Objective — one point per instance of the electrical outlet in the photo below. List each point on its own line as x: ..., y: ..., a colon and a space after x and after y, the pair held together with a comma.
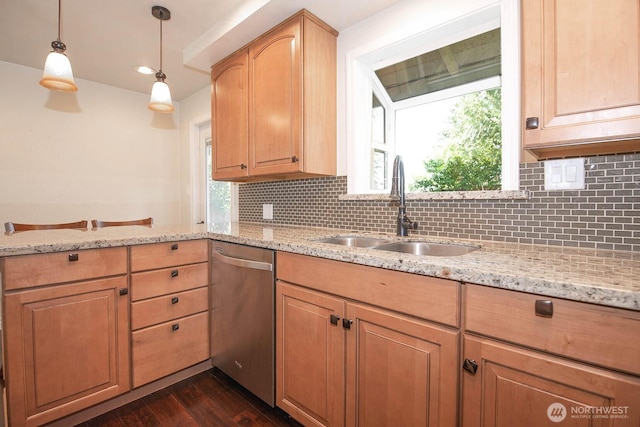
x: 267, y: 211
x: 564, y: 174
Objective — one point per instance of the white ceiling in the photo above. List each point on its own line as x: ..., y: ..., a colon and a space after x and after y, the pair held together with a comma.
x: 106, y: 39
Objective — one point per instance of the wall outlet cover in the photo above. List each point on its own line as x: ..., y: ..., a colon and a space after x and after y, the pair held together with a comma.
x: 564, y: 174
x: 267, y: 211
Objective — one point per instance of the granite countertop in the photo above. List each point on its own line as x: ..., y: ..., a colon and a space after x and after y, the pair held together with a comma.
x: 596, y: 276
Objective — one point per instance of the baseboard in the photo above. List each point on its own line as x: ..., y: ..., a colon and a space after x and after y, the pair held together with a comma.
x: 135, y: 394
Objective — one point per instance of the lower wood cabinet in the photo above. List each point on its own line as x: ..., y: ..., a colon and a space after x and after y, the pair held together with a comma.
x: 339, y: 362
x: 168, y: 347
x: 534, y: 360
x: 514, y: 386
x: 169, y: 308
x: 67, y: 348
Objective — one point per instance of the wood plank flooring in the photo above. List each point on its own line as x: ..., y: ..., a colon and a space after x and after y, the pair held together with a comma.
x: 207, y: 399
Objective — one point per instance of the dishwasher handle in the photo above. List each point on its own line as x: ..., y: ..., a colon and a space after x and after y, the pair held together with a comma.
x: 241, y: 262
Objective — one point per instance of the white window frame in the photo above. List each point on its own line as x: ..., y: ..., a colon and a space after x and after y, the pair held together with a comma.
x: 427, y: 27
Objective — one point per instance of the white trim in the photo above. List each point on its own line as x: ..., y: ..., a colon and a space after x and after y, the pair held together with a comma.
x: 510, y: 33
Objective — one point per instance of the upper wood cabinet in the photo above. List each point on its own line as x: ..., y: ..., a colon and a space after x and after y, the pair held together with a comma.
x: 580, y: 77
x: 274, y: 105
x: 229, y: 109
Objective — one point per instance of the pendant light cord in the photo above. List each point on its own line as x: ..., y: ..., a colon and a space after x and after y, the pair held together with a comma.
x: 59, y: 17
x: 161, y: 19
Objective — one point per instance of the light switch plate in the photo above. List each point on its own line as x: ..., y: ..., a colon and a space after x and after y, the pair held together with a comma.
x: 267, y: 211
x: 564, y: 174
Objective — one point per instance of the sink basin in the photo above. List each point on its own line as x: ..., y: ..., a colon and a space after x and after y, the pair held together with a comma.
x: 425, y: 248
x: 358, y: 242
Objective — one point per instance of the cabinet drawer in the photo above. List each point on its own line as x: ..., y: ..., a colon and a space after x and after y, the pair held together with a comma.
x: 43, y: 269
x: 168, y: 280
x: 168, y: 307
x: 601, y: 335
x: 421, y: 296
x: 166, y: 348
x: 159, y: 255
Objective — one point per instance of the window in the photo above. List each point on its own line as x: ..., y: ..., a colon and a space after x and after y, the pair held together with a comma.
x: 213, y: 201
x: 218, y: 193
x: 379, y: 148
x: 416, y: 77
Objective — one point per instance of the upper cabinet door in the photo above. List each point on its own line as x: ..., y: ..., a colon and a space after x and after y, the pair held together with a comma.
x: 229, y: 111
x: 275, y: 105
x: 581, y: 76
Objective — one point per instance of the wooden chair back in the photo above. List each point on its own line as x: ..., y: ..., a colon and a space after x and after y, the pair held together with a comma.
x: 12, y: 227
x: 100, y: 224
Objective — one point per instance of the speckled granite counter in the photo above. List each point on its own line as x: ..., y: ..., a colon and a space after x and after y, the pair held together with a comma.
x: 601, y: 277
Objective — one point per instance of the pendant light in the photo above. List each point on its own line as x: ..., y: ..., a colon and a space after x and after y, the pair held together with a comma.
x: 160, y: 95
x: 57, y: 68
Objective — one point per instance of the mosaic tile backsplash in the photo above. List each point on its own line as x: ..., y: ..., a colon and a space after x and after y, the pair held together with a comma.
x: 605, y: 215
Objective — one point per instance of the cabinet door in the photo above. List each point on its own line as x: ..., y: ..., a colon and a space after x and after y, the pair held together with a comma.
x: 513, y: 386
x: 229, y: 111
x: 275, y: 128
x: 581, y: 79
x: 67, y: 348
x: 309, y: 355
x: 400, y: 371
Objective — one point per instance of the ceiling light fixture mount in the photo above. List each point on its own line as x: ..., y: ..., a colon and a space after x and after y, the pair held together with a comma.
x: 57, y: 73
x: 160, y: 95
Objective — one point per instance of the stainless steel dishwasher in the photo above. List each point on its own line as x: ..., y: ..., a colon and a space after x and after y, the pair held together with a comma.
x: 243, y: 316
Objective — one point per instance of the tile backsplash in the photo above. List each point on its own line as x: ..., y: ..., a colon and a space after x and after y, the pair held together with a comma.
x: 605, y: 215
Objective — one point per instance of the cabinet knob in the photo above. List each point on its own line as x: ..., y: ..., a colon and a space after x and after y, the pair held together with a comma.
x: 174, y: 273
x: 175, y: 327
x: 243, y: 166
x: 174, y: 247
x: 470, y: 366
x: 334, y: 319
x: 123, y: 291
x: 346, y: 323
x: 544, y: 308
x: 532, y: 123
x: 73, y: 257
x: 175, y: 300
x: 294, y: 159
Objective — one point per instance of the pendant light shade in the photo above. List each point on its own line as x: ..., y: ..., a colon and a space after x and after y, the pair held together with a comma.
x: 160, y: 94
x: 57, y: 73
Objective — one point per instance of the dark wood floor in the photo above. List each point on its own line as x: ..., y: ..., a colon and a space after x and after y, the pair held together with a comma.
x: 207, y: 399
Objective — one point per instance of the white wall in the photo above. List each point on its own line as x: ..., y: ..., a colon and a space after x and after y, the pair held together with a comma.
x: 98, y: 153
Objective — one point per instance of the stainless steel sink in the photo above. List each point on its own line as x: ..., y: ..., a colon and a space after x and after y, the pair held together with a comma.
x: 356, y: 241
x: 425, y: 248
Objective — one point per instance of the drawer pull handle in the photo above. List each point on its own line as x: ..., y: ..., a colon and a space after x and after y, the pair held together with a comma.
x: 123, y: 291
x: 470, y: 366
x: 174, y: 273
x: 73, y: 257
x: 174, y: 247
x: 334, y: 319
x: 544, y: 308
x: 175, y: 300
x: 175, y: 327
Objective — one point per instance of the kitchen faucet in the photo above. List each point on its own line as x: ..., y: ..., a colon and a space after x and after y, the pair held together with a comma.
x: 397, y: 195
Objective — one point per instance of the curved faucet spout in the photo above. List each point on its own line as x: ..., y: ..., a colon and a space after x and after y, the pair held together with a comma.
x: 397, y: 194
